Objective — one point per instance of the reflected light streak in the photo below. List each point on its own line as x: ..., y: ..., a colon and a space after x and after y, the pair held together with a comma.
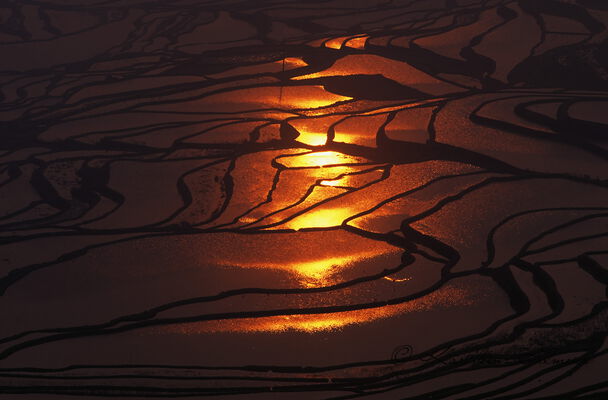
x: 320, y: 270
x: 307, y: 97
x: 388, y: 278
x: 344, y: 181
x: 315, y: 272
x: 317, y: 159
x: 318, y: 273
x: 311, y: 323
x: 318, y: 103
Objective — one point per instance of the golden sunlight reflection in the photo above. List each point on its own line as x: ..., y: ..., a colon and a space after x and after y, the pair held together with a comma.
x: 317, y: 103
x: 325, y: 218
x: 388, y: 278
x: 357, y: 43
x: 335, y: 43
x: 292, y: 62
x: 317, y: 159
x: 320, y: 270
x: 311, y: 323
x: 312, y: 138
x: 397, y: 71
x: 307, y: 97
x: 311, y: 272
x: 343, y: 181
x: 352, y: 42
x: 318, y: 273
x: 319, y: 125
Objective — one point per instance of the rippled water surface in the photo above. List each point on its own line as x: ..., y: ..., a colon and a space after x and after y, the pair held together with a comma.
x: 314, y: 199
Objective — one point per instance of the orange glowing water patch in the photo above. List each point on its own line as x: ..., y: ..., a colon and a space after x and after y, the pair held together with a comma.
x: 311, y: 217
x: 312, y: 138
x: 292, y: 62
x: 313, y: 131
x: 258, y: 100
x: 306, y: 97
x: 359, y: 130
x: 354, y: 180
x: 343, y: 181
x: 311, y: 323
x: 397, y: 71
x: 318, y: 159
x: 336, y: 43
x: 357, y: 43
x: 315, y: 272
x: 324, y: 218
x: 312, y: 103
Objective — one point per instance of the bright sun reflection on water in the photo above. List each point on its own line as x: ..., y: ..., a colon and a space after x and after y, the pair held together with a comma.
x: 316, y: 159
x: 309, y: 104
x: 335, y: 43
x: 320, y: 270
x: 307, y: 97
x: 311, y: 323
x: 312, y: 138
x: 315, y: 272
x: 357, y: 43
x: 324, y: 218
x: 344, y: 181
